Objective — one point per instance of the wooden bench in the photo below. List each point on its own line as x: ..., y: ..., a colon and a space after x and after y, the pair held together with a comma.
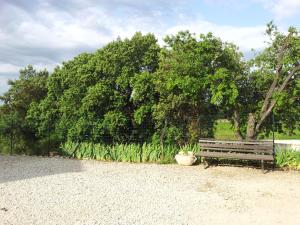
x: 246, y: 150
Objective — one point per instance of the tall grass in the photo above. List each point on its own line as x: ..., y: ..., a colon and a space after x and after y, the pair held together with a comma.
x: 146, y: 152
x: 288, y: 159
x: 153, y: 153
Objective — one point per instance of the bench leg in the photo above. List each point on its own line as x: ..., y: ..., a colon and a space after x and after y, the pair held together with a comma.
x: 206, y: 164
x: 262, y: 165
x: 218, y: 161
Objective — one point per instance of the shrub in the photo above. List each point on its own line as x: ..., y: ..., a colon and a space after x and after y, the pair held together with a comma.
x: 287, y: 159
x: 152, y: 153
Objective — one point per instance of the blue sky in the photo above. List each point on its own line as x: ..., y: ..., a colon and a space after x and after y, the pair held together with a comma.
x: 46, y: 32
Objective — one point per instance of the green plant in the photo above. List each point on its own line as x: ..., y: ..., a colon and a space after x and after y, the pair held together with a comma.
x: 137, y: 153
x: 288, y: 159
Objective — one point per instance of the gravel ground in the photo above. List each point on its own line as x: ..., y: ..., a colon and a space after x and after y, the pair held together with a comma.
x: 35, y: 190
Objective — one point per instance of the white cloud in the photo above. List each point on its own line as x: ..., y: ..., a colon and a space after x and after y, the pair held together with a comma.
x: 8, y: 68
x: 51, y: 29
x: 45, y: 33
x: 282, y: 8
x: 232, y: 3
x: 4, y: 79
x: 286, y: 8
x: 279, y: 8
x: 3, y: 86
x: 246, y: 38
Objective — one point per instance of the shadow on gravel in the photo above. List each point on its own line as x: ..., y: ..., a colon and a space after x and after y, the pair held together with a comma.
x: 268, y: 166
x: 13, y: 168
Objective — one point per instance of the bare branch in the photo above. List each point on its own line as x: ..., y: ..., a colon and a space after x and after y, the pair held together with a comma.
x: 277, y: 75
x: 237, y: 124
x: 287, y: 79
x: 274, y: 101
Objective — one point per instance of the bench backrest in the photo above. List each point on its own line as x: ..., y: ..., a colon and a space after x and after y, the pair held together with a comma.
x: 257, y: 147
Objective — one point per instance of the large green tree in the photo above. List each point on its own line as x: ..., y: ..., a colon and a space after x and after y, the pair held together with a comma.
x: 30, y: 88
x: 192, y: 81
x: 93, y: 96
x: 277, y: 69
x: 267, y: 83
x: 132, y: 90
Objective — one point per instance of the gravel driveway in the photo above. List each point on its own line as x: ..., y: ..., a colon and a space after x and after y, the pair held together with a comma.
x: 35, y: 190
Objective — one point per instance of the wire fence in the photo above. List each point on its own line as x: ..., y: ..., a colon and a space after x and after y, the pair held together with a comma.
x: 14, y: 138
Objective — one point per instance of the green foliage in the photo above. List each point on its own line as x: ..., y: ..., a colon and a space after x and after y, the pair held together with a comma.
x: 100, y: 94
x: 249, y: 91
x: 194, y: 76
x: 28, y: 90
x: 288, y: 159
x: 146, y: 153
x: 131, y: 92
x: 275, y: 81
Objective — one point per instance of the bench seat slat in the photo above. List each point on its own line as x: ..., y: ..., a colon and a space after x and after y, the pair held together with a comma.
x: 235, y: 155
x: 237, y: 146
x: 238, y: 142
x: 212, y: 148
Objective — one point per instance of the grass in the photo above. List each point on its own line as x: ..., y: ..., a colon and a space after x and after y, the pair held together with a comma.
x: 279, y: 136
x: 224, y: 131
x: 146, y: 153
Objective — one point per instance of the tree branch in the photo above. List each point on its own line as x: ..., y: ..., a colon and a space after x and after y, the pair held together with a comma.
x: 237, y: 124
x: 287, y: 79
x: 277, y: 75
x: 274, y: 101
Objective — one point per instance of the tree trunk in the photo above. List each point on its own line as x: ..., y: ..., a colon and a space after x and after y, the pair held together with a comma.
x: 162, y: 134
x: 251, y: 132
x: 237, y: 125
x: 194, y: 131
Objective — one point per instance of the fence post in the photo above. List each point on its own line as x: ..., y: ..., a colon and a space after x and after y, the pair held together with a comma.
x: 141, y: 154
x: 93, y: 137
x: 48, y: 140
x: 11, y: 134
x: 273, y: 135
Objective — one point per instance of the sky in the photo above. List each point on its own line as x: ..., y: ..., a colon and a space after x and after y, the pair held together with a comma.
x: 45, y: 33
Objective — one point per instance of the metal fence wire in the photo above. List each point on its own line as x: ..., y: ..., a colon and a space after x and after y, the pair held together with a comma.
x: 15, y: 139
